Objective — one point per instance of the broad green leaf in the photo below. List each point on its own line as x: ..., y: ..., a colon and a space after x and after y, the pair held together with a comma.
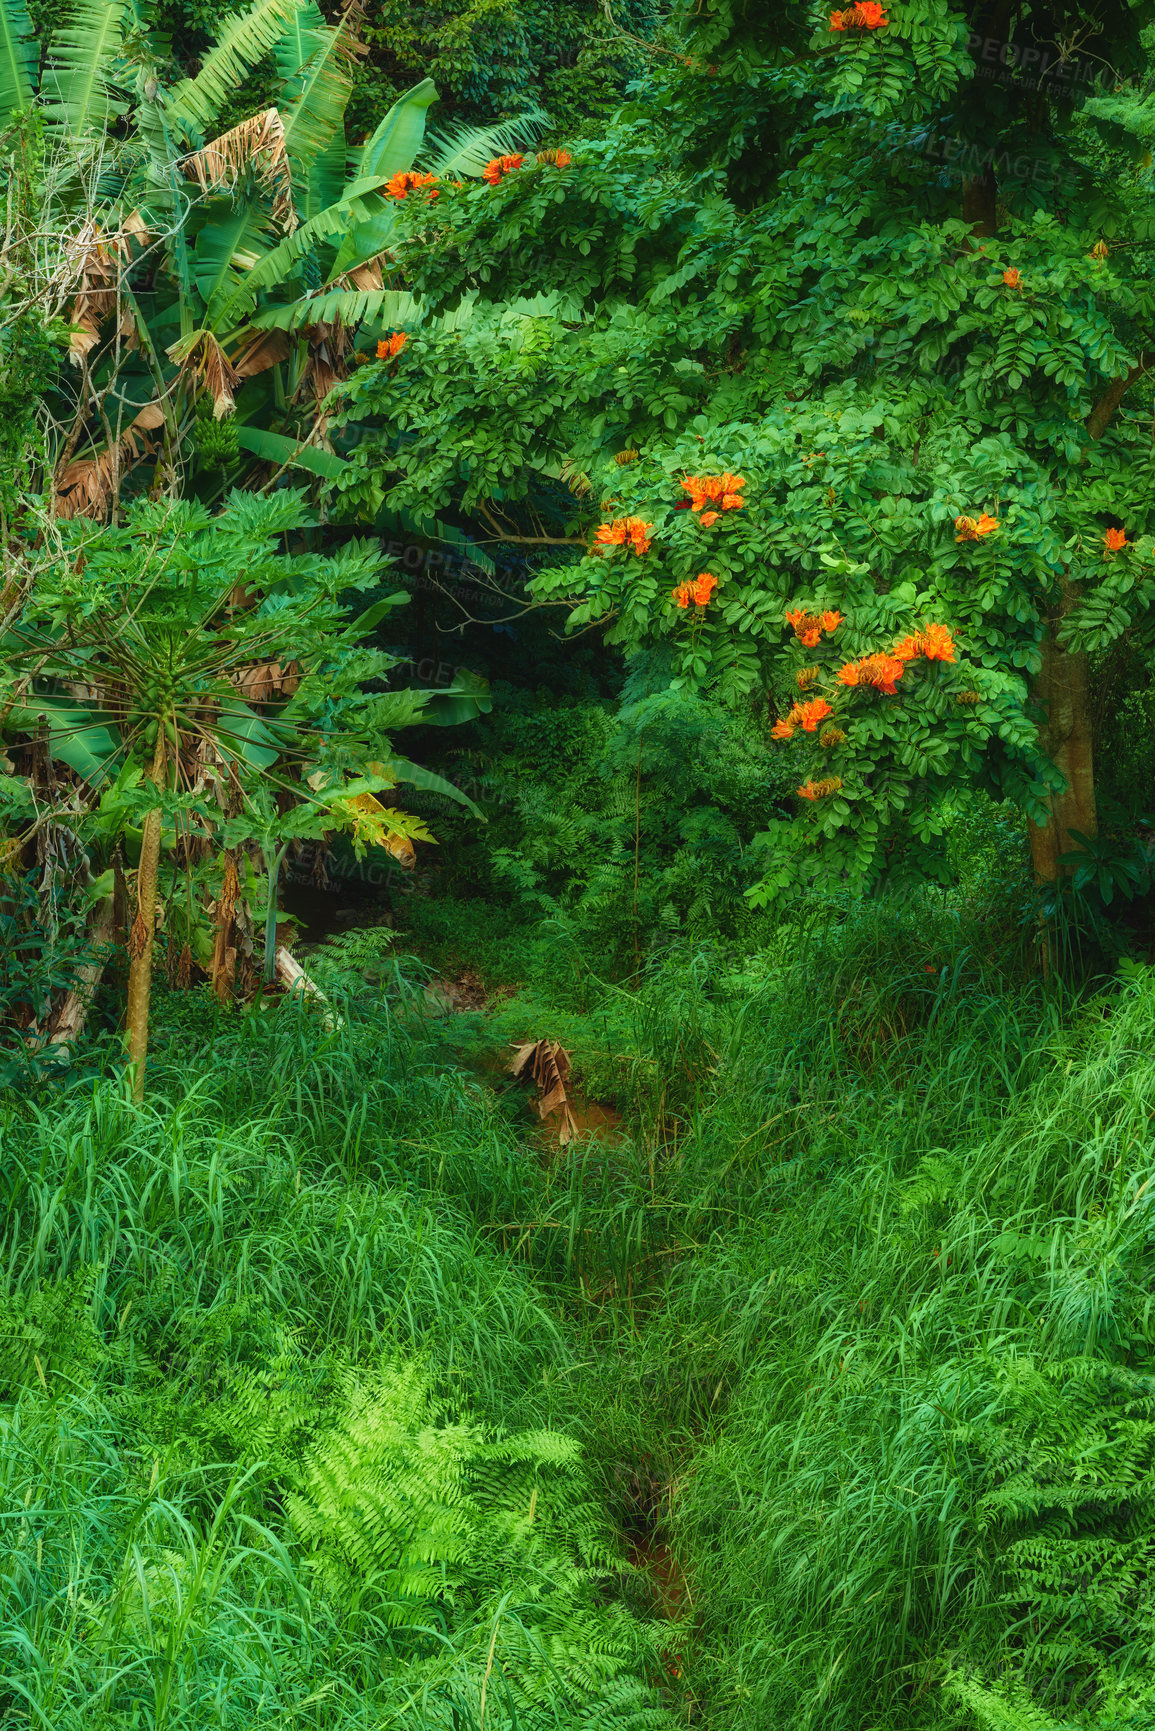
x: 394, y: 145
x: 380, y: 609
x: 77, y: 84
x: 391, y: 150
x: 19, y: 58
x: 242, y: 40
x: 434, y: 529
x: 425, y: 778
x: 351, y: 306
x: 361, y: 199
x: 276, y: 448
x: 240, y: 729
x: 313, y: 63
x: 85, y: 740
x: 230, y: 230
x: 464, y: 700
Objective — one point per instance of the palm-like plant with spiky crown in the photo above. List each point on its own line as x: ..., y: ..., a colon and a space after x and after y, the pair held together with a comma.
x: 198, y: 680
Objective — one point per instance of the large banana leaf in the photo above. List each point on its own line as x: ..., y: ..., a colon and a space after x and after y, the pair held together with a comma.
x: 19, y: 58
x: 326, y: 177
x: 242, y: 40
x: 433, y: 529
x: 392, y: 148
x: 425, y: 778
x: 87, y: 740
x: 276, y: 448
x: 241, y: 732
x: 77, y: 85
x: 352, y: 306
x: 313, y: 64
x: 297, y: 44
x: 394, y: 144
x: 467, y: 698
x: 230, y: 229
x: 361, y: 198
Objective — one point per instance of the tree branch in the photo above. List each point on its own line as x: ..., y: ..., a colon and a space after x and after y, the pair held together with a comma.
x: 1103, y: 413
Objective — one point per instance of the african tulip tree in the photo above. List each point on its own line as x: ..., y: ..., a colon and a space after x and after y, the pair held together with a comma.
x: 898, y: 308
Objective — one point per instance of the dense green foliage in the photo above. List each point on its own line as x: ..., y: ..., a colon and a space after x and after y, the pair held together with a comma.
x: 761, y: 398
x: 857, y: 1313
x: 908, y: 368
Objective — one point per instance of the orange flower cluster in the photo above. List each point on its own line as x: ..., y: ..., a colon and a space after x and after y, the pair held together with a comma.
x: 884, y: 670
x: 496, y: 169
x: 936, y: 643
x: 1114, y: 541
x: 724, y: 491
x: 406, y: 182
x: 698, y: 591
x: 1012, y: 278
x: 623, y: 532
x: 808, y: 627
x: 867, y: 15
x: 803, y: 715
x: 974, y: 528
x: 390, y: 346
x: 559, y: 158
x: 820, y: 789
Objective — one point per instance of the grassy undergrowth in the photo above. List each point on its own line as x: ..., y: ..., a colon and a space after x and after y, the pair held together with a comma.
x: 324, y: 1388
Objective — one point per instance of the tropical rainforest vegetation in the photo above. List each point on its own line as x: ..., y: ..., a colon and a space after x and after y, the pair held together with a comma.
x: 577, y: 759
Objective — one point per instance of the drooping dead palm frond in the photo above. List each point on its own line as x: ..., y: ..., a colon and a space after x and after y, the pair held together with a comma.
x: 548, y: 1064
x: 330, y: 346
x: 87, y: 486
x: 266, y: 681
x: 265, y: 350
x: 94, y: 261
x: 365, y: 276
x: 202, y: 356
x: 256, y: 146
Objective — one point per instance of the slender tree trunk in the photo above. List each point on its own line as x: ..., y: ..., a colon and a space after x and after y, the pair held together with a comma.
x: 68, y: 1023
x: 980, y: 195
x: 224, y: 948
x: 1061, y: 688
x: 144, y: 931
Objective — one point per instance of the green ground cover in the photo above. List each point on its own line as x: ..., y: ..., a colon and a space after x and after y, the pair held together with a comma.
x: 333, y: 1394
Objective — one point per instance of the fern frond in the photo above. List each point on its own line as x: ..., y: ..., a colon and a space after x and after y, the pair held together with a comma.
x: 467, y: 149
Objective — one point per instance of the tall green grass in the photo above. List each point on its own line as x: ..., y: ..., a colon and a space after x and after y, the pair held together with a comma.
x: 854, y: 1309
x: 198, y: 1300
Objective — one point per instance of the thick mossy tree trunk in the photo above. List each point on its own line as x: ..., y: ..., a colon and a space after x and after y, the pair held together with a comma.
x: 1066, y: 736
x: 140, y: 943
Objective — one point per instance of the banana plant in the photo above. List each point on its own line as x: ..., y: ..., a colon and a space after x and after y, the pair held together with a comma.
x: 189, y: 699
x: 236, y: 266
